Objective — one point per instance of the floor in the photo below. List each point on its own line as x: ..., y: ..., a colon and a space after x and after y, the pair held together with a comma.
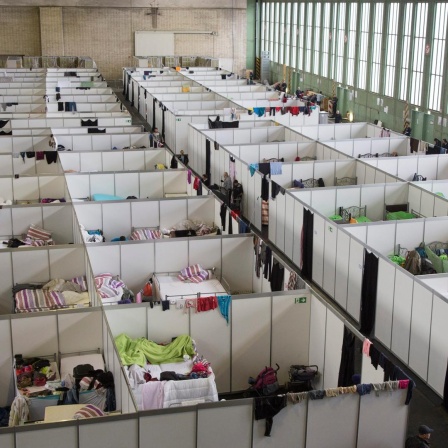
x: 425, y: 407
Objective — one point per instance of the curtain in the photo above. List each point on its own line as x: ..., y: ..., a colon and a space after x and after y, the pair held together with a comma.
x: 207, y: 160
x: 347, y: 366
x: 153, y: 113
x: 445, y: 391
x: 307, y: 243
x: 368, y: 293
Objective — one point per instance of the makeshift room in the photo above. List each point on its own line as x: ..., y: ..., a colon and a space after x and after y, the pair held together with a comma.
x: 45, y: 279
x: 116, y: 186
x: 151, y: 219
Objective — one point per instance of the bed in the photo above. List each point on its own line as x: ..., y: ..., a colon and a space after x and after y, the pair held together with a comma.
x: 351, y: 215
x: 56, y: 294
x: 35, y: 237
x: 182, y: 229
x: 43, y: 395
x: 168, y: 286
x: 91, y: 236
x: 396, y: 212
x: 112, y: 290
x: 182, y: 378
x: 307, y: 183
x: 344, y: 181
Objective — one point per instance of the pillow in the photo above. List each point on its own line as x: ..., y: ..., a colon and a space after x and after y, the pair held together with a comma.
x: 435, y: 260
x: 89, y: 411
x: 194, y: 274
x: 37, y: 233
x: 81, y: 281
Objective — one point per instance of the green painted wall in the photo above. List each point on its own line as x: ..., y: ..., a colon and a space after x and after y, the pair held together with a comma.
x: 251, y: 34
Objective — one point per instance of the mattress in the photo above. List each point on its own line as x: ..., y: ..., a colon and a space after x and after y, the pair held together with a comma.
x: 170, y: 285
x: 175, y: 393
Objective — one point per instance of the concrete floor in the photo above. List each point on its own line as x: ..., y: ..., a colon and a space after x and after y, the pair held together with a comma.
x: 425, y: 407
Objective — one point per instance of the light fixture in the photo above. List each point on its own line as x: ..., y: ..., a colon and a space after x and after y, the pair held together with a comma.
x: 350, y: 116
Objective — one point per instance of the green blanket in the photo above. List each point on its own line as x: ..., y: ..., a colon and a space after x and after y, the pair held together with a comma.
x: 395, y: 216
x: 139, y: 351
x: 363, y: 219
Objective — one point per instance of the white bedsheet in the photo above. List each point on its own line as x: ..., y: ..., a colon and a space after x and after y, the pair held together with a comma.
x: 176, y: 393
x: 170, y: 285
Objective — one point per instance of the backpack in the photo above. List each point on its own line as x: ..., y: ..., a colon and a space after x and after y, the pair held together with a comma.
x: 413, y: 262
x: 266, y: 381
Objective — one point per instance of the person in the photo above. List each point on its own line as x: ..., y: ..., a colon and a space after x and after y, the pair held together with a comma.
x: 157, y: 140
x: 335, y: 105
x: 445, y: 145
x: 338, y: 117
x: 183, y: 157
x: 319, y: 98
x: 407, y: 129
x: 227, y: 187
x: 299, y: 93
x: 237, y: 194
x: 421, y: 440
x: 53, y: 143
x: 283, y: 86
x: 205, y: 180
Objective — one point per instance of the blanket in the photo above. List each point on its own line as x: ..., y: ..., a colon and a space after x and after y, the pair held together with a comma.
x: 139, y: 351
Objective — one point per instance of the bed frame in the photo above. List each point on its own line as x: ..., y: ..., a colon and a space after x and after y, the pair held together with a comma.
x: 354, y: 211
x: 310, y: 183
x: 392, y: 208
x: 66, y: 307
x: 308, y: 158
x: 367, y: 156
x: 344, y: 181
x: 180, y: 296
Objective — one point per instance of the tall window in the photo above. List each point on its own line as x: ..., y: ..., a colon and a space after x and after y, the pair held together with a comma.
x: 376, y: 47
x: 351, y: 43
x: 288, y: 34
x: 264, y: 26
x: 418, y: 49
x: 334, y: 40
x: 281, y: 34
x: 405, y: 51
x: 325, y: 39
x: 340, y: 42
x: 437, y: 56
x: 294, y: 35
x: 309, y: 36
x: 274, y: 55
x: 301, y: 35
x: 391, y: 49
x: 363, y: 45
x: 271, y: 30
x: 317, y: 41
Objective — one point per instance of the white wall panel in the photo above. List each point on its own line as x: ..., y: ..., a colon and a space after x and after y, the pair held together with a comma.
x: 402, y: 315
x: 355, y: 266
x: 50, y: 438
x: 386, y: 411
x: 289, y: 429
x: 381, y: 238
x: 384, y: 302
x: 238, y: 418
x: 438, y: 354
x: 420, y: 330
x: 290, y: 332
x: 24, y: 331
x: 318, y: 249
x: 329, y: 273
x: 326, y: 418
x: 333, y: 346
x: 110, y: 433
x: 182, y: 429
x: 318, y: 324
x: 145, y: 214
x: 250, y: 343
x: 131, y: 321
x: 341, y: 272
x: 137, y: 264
